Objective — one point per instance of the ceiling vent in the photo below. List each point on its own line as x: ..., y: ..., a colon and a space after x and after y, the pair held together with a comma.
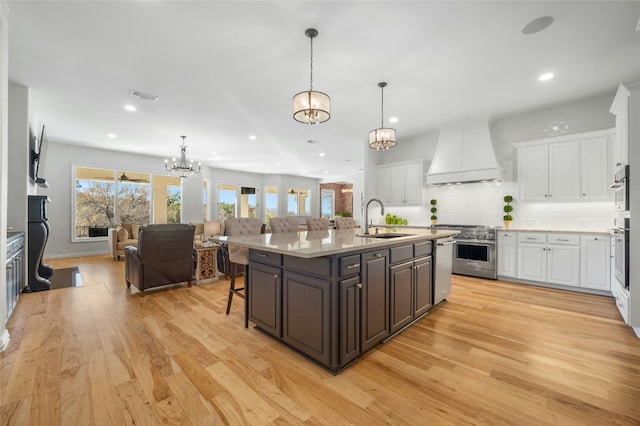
x: 144, y: 96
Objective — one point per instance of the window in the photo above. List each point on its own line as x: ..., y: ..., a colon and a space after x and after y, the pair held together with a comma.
x: 205, y: 201
x: 104, y: 198
x: 248, y: 202
x: 226, y: 202
x: 298, y: 201
x: 270, y: 203
x: 327, y: 203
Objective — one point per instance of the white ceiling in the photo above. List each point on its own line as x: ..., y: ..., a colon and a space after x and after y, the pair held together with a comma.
x: 225, y: 70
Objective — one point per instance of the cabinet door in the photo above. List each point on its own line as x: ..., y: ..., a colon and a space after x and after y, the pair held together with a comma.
x: 423, y: 294
x: 533, y: 173
x: 401, y: 291
x: 396, y: 185
x: 563, y: 265
x: 350, y: 290
x: 532, y: 262
x: 564, y: 171
x: 594, y: 160
x: 412, y: 183
x: 383, y: 190
x: 507, y: 254
x: 306, y: 325
x: 595, y: 261
x: 375, y: 298
x: 265, y: 300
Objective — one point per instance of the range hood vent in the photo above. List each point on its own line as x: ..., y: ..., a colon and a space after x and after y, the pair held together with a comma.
x: 464, y: 154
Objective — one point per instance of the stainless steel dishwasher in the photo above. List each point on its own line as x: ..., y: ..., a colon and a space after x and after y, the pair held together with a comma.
x: 442, y: 275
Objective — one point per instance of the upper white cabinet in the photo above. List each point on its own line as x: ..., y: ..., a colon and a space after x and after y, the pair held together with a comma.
x: 566, y: 168
x: 399, y: 184
x: 620, y: 108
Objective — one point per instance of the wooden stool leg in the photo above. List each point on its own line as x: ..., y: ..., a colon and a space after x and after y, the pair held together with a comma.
x: 232, y: 287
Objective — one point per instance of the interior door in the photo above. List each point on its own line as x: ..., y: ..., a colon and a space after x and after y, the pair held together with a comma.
x: 328, y: 203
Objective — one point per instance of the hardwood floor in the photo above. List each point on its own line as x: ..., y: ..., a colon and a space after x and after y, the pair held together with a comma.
x: 493, y: 353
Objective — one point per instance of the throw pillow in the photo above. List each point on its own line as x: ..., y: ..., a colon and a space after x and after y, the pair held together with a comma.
x: 135, y: 229
x: 123, y: 235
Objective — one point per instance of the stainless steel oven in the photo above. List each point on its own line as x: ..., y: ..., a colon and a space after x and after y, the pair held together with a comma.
x: 474, y: 251
x: 620, y: 236
x: 621, y: 187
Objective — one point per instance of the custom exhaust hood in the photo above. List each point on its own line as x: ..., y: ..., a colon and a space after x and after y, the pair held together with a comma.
x: 464, y: 154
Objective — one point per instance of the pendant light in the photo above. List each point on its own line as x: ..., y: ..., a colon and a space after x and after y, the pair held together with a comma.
x: 311, y: 107
x: 384, y: 137
x: 182, y: 168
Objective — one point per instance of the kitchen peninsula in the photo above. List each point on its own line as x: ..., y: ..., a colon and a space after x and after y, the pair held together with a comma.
x: 333, y: 295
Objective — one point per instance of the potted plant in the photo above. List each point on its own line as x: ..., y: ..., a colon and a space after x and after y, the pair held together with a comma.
x: 434, y: 209
x: 508, y: 208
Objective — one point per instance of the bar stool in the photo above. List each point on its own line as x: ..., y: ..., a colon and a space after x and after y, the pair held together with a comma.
x: 283, y: 224
x: 240, y: 256
x: 317, y: 224
x: 345, y: 223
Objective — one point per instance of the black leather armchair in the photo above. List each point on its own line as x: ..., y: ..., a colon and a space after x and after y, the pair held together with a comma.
x: 164, y: 256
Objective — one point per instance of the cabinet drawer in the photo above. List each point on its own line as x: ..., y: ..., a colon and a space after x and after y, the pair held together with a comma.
x: 532, y: 238
x: 265, y: 257
x: 422, y: 249
x: 400, y: 254
x: 320, y: 266
x: 349, y: 265
x: 566, y: 239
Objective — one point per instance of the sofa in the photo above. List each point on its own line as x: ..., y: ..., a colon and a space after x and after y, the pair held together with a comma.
x: 121, y: 236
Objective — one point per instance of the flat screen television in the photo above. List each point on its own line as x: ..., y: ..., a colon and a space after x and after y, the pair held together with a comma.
x: 39, y: 147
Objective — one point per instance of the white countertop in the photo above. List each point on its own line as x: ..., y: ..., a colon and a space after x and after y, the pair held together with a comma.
x: 310, y: 244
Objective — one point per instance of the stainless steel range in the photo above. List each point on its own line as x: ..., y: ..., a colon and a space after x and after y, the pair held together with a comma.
x: 474, y: 251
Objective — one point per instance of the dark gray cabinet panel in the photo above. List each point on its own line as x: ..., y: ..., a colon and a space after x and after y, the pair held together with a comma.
x: 350, y: 290
x: 375, y: 298
x: 423, y: 296
x: 265, y: 301
x: 401, y: 290
x: 306, y: 315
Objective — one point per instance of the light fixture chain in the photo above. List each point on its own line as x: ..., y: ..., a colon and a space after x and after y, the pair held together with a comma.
x: 382, y: 107
x: 311, y: 76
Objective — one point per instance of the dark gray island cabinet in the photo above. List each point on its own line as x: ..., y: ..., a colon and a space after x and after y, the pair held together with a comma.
x: 332, y: 309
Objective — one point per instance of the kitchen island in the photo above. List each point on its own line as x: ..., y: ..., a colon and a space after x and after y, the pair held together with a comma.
x: 333, y: 295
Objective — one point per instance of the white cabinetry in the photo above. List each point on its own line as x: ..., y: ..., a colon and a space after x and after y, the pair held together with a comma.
x: 507, y: 254
x: 595, y: 262
x: 620, y: 107
x: 553, y: 258
x: 399, y: 184
x: 566, y: 168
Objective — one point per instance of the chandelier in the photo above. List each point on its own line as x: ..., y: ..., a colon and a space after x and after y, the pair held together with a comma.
x: 382, y: 138
x: 182, y: 168
x: 311, y: 107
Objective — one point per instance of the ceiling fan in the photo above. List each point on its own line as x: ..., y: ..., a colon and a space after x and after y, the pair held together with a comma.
x: 125, y: 178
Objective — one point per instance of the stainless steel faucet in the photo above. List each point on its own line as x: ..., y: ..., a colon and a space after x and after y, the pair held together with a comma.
x: 366, y: 214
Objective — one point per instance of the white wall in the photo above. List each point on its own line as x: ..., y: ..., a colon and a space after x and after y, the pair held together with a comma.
x: 19, y: 152
x: 4, y: 150
x: 480, y: 203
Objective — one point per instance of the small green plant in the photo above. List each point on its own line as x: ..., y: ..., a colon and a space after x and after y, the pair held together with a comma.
x: 434, y: 209
x: 508, y: 208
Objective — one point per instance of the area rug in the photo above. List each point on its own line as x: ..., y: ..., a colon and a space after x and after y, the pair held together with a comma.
x: 66, y: 277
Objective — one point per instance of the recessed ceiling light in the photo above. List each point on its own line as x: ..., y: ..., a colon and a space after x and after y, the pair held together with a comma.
x: 321, y: 154
x: 111, y: 135
x: 129, y: 107
x: 277, y: 164
x: 326, y: 172
x: 212, y: 153
x: 537, y: 25
x: 546, y: 76
x: 393, y: 119
x: 253, y: 137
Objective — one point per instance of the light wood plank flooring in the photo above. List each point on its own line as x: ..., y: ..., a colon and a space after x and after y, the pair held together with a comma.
x: 494, y: 353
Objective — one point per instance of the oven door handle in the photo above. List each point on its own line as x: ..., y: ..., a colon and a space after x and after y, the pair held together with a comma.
x: 476, y: 242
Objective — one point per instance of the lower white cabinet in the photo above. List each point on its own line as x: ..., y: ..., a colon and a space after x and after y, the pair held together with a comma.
x: 507, y: 254
x: 552, y: 258
x: 595, y: 263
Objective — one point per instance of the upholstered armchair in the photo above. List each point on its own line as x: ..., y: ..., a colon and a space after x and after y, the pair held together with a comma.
x: 164, y: 256
x: 345, y: 223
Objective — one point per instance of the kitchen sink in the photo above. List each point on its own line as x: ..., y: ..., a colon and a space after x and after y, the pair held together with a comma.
x: 384, y: 236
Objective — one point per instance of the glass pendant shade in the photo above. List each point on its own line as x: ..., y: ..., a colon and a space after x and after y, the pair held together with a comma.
x: 382, y: 138
x: 311, y: 107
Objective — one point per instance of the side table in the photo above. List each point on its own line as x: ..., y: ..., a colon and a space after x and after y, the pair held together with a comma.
x: 207, y: 263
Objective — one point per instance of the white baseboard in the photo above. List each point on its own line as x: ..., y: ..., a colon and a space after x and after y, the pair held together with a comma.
x: 75, y: 254
x: 637, y: 331
x: 4, y: 340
